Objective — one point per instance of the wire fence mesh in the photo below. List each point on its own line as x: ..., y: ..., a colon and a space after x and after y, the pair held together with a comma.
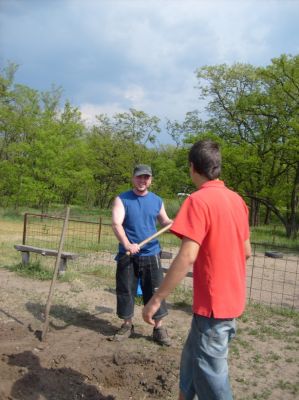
x: 272, y: 274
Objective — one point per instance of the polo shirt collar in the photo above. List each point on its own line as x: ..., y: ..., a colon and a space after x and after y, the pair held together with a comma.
x: 214, y: 183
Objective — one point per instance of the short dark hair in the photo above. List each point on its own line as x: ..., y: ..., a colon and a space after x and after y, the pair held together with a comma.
x: 206, y: 158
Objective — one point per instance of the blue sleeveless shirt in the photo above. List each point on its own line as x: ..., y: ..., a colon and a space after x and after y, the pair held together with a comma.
x: 141, y: 214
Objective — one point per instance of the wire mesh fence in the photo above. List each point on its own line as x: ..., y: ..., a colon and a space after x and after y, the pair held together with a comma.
x: 272, y: 274
x: 44, y: 231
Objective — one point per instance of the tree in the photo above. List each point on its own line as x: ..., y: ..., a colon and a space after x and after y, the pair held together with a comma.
x: 255, y: 110
x: 192, y: 125
x: 170, y: 171
x: 136, y: 126
x: 115, y: 146
x: 39, y: 162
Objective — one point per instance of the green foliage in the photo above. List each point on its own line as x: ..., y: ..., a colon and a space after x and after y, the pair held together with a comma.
x: 255, y: 112
x: 49, y: 156
x: 171, y: 175
x: 40, y: 159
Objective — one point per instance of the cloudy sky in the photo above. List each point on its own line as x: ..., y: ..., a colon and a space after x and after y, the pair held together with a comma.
x: 112, y: 55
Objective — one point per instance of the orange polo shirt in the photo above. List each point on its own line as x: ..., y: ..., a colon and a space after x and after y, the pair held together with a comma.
x: 217, y: 219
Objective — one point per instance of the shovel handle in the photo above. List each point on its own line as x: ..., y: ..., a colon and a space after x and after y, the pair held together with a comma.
x: 145, y: 241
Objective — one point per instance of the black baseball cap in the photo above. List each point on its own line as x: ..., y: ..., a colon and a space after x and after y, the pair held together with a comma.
x: 142, y: 169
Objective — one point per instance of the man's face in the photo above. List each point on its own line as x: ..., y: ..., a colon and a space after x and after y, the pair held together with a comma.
x: 142, y: 182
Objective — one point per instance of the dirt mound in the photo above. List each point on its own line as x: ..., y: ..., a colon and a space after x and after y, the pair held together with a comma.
x: 76, y: 364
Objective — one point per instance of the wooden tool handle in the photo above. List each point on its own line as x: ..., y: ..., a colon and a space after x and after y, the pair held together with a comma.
x: 145, y: 241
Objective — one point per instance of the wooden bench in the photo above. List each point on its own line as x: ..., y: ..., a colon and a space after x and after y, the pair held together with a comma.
x: 26, y: 250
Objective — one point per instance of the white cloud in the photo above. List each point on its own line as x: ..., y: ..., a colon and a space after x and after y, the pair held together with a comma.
x: 90, y: 111
x: 135, y: 94
x: 112, y: 55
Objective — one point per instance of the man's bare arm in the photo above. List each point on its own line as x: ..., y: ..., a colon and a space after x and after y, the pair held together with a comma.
x: 163, y: 217
x: 118, y: 216
x: 247, y: 249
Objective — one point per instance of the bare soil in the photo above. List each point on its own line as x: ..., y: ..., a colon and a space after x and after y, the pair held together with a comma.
x: 79, y: 361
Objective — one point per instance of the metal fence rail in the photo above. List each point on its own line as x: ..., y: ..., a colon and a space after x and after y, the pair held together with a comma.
x: 271, y: 281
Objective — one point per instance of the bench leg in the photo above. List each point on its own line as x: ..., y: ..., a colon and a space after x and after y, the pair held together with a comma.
x: 25, y: 257
x: 62, y: 266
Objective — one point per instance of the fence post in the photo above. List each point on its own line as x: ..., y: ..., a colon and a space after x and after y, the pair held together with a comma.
x: 273, y: 234
x: 100, y: 229
x: 25, y: 228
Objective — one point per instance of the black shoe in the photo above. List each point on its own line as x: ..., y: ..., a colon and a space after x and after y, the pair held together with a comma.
x: 125, y: 331
x: 161, y: 337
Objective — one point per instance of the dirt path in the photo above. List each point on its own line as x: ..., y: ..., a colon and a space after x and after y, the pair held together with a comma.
x: 78, y: 361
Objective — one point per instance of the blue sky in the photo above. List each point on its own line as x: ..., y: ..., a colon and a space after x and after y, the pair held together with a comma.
x: 112, y: 55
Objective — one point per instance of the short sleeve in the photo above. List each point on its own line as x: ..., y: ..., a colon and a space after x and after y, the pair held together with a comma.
x: 191, y: 220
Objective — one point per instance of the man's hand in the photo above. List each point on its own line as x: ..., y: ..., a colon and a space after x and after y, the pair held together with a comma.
x: 176, y: 272
x: 133, y: 248
x: 150, y: 309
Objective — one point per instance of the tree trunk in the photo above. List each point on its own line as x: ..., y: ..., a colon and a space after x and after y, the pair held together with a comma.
x: 292, y: 227
x: 254, y: 212
x: 292, y: 220
x: 267, y: 216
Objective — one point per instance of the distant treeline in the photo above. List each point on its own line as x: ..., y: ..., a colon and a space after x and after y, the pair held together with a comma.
x: 48, y: 154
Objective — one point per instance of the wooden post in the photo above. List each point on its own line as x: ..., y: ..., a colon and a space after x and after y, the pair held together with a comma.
x: 100, y: 229
x: 25, y: 228
x: 57, y: 264
x: 25, y: 257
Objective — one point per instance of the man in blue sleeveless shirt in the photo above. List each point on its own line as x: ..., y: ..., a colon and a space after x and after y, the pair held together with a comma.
x: 134, y: 217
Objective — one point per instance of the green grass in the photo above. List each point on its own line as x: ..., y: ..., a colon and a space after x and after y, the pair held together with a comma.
x: 101, y: 271
x: 260, y: 312
x: 9, y: 214
x: 33, y: 270
x: 273, y: 235
x: 181, y: 297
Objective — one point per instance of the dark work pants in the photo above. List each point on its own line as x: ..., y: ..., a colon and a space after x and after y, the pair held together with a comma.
x: 129, y: 270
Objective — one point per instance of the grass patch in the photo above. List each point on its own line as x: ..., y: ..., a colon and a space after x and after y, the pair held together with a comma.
x: 265, y: 394
x: 102, y: 271
x: 264, y: 322
x: 273, y: 235
x: 289, y: 386
x: 98, y: 276
x: 182, y: 297
x: 33, y: 270
x: 260, y: 312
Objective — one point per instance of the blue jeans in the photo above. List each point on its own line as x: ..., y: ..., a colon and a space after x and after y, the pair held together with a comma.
x: 128, y: 271
x: 204, y: 369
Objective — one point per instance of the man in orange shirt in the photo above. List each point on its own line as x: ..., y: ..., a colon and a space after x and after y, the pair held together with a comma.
x: 213, y: 226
